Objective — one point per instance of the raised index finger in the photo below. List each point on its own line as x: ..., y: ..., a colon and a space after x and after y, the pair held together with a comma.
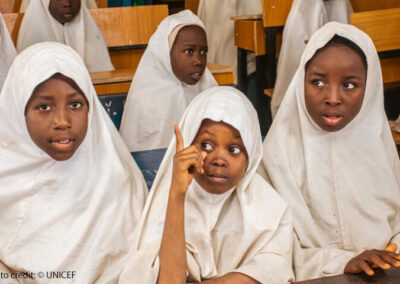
x: 179, y: 138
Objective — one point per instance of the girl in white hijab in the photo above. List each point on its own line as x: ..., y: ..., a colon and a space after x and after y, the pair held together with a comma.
x: 70, y: 193
x: 70, y: 24
x: 330, y: 155
x: 223, y: 221
x: 170, y: 74
x: 91, y: 4
x: 7, y: 51
x: 305, y: 17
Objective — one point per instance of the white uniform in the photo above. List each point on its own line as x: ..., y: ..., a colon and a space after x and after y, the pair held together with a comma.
x: 157, y: 98
x: 247, y: 229
x: 343, y: 187
x: 75, y: 215
x: 82, y: 34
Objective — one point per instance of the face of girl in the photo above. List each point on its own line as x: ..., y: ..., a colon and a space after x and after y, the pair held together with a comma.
x: 57, y: 118
x: 226, y: 159
x: 64, y: 11
x: 334, y: 87
x: 189, y: 54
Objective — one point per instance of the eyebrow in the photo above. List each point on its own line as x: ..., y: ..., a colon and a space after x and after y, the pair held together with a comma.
x: 352, y: 77
x: 318, y: 74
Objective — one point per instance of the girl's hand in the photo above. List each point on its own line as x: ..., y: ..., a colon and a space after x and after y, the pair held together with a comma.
x: 186, y: 162
x: 371, y: 259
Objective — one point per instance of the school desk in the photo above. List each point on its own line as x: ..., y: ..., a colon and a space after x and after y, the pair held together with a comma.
x: 391, y: 276
x: 119, y: 81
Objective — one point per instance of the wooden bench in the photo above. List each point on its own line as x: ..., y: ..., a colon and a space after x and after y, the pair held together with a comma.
x: 383, y: 26
x: 9, y: 6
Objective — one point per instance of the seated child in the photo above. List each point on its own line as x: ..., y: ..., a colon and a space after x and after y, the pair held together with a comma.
x: 171, y: 72
x: 68, y: 22
x: 331, y: 156
x: 70, y: 193
x: 7, y: 51
x: 223, y: 222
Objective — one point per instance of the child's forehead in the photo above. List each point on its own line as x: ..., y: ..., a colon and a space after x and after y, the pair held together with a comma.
x: 190, y: 31
x: 213, y: 127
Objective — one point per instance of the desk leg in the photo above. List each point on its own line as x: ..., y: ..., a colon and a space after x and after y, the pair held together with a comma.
x: 262, y: 103
x: 270, y: 35
x: 242, y: 69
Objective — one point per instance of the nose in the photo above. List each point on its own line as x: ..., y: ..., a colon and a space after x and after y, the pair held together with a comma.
x: 333, y: 97
x: 196, y: 59
x: 218, y: 160
x: 67, y: 3
x: 62, y: 120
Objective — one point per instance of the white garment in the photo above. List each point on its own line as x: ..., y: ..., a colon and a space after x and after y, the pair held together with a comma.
x: 216, y: 16
x: 247, y: 229
x: 77, y: 215
x: 7, y: 51
x: 91, y: 4
x: 82, y: 34
x: 343, y: 187
x: 157, y: 98
x: 305, y: 17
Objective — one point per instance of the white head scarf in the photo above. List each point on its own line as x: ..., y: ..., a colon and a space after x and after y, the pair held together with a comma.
x: 343, y: 187
x: 82, y: 34
x: 157, y: 98
x: 305, y: 17
x: 246, y: 229
x: 91, y: 4
x: 7, y: 51
x: 78, y: 215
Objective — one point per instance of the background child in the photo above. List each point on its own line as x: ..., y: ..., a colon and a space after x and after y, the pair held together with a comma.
x: 330, y: 154
x: 7, y: 51
x: 223, y: 221
x: 171, y: 72
x: 68, y: 22
x: 70, y: 193
x: 91, y: 4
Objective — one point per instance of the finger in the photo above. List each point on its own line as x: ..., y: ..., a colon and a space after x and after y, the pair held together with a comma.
x: 191, y: 164
x: 365, y: 267
x: 392, y: 247
x: 179, y: 138
x: 379, y: 262
x: 388, y: 258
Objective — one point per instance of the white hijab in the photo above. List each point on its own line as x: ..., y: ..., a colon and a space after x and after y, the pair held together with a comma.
x: 157, y: 98
x: 7, y: 51
x: 343, y: 187
x: 247, y: 229
x: 77, y: 215
x: 91, y: 4
x: 82, y: 34
x: 305, y: 17
x: 216, y: 16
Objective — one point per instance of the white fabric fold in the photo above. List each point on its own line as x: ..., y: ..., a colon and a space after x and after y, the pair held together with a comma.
x: 247, y: 229
x: 343, y: 187
x: 82, y: 34
x: 157, y: 98
x: 305, y: 17
x: 75, y: 215
x: 216, y: 16
x: 7, y: 51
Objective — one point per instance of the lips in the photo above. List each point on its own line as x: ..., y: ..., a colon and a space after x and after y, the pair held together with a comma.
x: 62, y: 143
x: 196, y: 75
x: 217, y: 178
x: 332, y: 119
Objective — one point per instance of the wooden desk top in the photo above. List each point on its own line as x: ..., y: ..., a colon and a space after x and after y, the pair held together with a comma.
x: 110, y: 77
x: 247, y: 17
x: 391, y: 276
